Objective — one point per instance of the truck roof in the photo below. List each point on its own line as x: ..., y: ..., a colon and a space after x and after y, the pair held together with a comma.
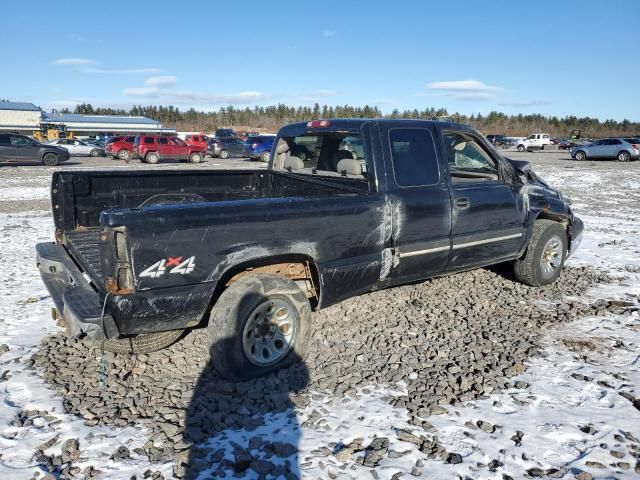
x: 355, y: 124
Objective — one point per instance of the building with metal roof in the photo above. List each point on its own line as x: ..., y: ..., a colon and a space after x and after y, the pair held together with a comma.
x: 26, y: 118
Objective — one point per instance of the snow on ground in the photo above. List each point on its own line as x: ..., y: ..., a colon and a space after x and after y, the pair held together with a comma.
x: 567, y: 414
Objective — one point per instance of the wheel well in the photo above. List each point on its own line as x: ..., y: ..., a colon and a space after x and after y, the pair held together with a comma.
x: 625, y: 151
x: 299, y: 268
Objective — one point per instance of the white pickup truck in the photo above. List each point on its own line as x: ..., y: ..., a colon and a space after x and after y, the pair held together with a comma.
x: 535, y: 141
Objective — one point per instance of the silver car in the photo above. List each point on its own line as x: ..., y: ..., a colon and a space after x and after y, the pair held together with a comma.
x: 77, y: 147
x: 621, y: 148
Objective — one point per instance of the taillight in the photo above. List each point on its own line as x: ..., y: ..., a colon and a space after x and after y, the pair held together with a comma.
x: 318, y: 123
x: 636, y: 146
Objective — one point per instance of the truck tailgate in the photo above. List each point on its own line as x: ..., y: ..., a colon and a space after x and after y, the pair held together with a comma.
x: 85, y: 248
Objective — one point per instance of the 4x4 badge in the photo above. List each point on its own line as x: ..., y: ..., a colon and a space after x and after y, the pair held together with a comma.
x: 181, y: 267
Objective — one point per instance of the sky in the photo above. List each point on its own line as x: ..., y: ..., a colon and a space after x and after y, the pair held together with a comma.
x: 550, y: 57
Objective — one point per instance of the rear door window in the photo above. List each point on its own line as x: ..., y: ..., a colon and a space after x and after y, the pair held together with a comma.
x: 163, y: 141
x: 148, y: 140
x: 415, y: 162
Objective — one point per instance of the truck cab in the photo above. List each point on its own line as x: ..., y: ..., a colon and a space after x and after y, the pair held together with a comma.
x: 535, y: 141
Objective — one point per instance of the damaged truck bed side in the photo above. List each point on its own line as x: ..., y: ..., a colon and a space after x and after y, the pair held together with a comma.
x: 140, y: 256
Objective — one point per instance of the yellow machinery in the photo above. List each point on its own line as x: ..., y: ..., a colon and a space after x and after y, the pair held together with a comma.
x: 49, y: 131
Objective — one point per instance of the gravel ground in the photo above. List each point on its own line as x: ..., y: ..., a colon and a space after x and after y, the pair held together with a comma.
x: 443, y: 341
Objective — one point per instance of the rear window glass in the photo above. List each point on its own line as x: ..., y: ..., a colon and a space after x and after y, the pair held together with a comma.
x: 129, y: 139
x: 330, y: 154
x: 414, y: 157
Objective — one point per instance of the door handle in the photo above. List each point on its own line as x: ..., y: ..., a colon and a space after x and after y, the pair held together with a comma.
x: 462, y: 203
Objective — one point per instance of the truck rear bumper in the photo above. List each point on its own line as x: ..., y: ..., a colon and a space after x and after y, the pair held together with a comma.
x: 74, y: 297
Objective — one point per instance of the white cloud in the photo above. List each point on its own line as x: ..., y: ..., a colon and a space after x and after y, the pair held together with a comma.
x: 531, y: 103
x: 76, y: 62
x: 328, y: 33
x: 142, y: 91
x: 462, y: 86
x: 317, y: 95
x: 161, y: 81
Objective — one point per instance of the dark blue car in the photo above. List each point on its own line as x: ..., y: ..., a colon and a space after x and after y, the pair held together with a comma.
x: 259, y: 147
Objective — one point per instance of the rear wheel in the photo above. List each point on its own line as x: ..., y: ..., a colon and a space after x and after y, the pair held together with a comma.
x: 152, y: 158
x: 521, y: 148
x: 224, y: 154
x: 94, y: 153
x: 50, y: 159
x: 195, y: 157
x: 542, y: 262
x: 623, y: 156
x: 265, y: 156
x: 124, y: 155
x: 302, y: 156
x: 580, y: 155
x: 143, y: 343
x: 260, y: 324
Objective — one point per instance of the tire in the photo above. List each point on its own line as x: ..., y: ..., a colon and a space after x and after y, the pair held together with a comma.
x: 195, y: 157
x: 50, y: 159
x: 302, y: 156
x: 542, y: 147
x: 265, y: 156
x: 354, y: 155
x: 580, y: 155
x: 152, y: 158
x: 94, y: 153
x: 230, y: 330
x: 124, y: 155
x: 223, y: 154
x: 548, y: 241
x: 521, y: 148
x: 143, y: 343
x: 623, y: 156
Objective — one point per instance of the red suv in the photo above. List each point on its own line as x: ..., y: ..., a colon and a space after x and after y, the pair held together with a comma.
x: 120, y: 147
x: 151, y: 148
x: 198, y: 140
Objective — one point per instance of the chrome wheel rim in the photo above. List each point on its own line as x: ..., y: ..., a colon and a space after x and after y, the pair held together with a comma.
x: 269, y: 332
x: 551, y: 257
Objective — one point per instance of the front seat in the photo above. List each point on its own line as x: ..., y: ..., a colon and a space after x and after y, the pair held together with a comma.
x: 349, y: 166
x: 340, y: 155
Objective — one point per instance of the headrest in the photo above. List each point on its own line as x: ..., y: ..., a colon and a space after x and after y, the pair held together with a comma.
x: 282, y: 147
x: 458, y: 147
x: 293, y: 163
x: 349, y: 166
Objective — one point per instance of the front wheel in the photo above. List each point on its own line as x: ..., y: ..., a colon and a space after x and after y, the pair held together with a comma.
x: 265, y: 156
x: 260, y: 324
x: 624, y: 156
x: 124, y: 155
x: 547, y: 250
x: 195, y: 157
x: 581, y: 155
x: 224, y: 154
x: 521, y: 148
x: 50, y: 159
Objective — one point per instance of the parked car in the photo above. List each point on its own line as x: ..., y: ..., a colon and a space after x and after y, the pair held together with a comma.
x: 198, y: 140
x: 225, y: 147
x: 249, y: 253
x: 225, y: 132
x: 566, y: 144
x: 152, y: 148
x: 78, y: 147
x: 98, y: 142
x: 536, y: 141
x: 258, y: 147
x: 20, y: 148
x: 120, y: 147
x: 619, y: 148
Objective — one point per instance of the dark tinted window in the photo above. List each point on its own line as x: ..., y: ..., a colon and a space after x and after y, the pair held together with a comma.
x: 414, y: 157
x: 129, y: 139
x: 4, y: 139
x: 163, y: 141
x: 148, y: 140
x: 20, y: 140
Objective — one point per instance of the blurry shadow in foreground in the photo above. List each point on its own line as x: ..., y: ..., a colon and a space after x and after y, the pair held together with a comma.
x: 246, y: 429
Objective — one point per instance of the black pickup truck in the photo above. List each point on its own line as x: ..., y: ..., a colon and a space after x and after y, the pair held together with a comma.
x: 142, y: 256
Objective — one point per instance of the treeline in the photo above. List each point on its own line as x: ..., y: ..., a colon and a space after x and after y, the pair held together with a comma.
x: 273, y: 117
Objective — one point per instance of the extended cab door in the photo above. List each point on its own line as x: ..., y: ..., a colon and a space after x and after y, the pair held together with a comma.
x: 487, y: 219
x: 418, y: 202
x: 26, y: 150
